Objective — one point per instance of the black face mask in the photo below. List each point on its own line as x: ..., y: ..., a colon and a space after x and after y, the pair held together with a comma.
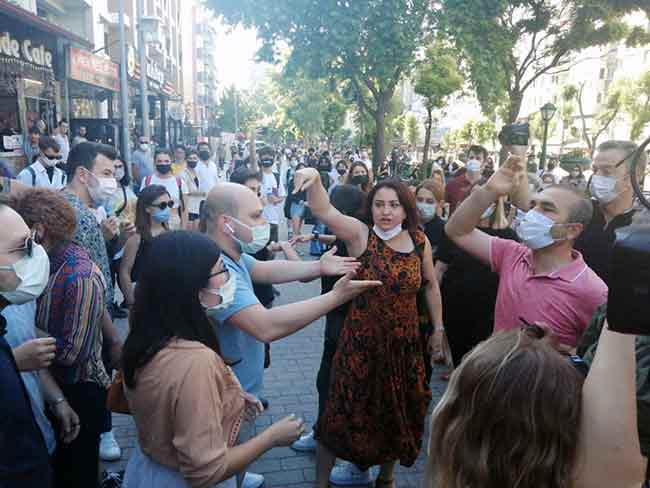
x: 267, y: 163
x: 192, y: 163
x: 204, y: 155
x: 360, y: 180
x: 163, y: 169
x: 341, y: 171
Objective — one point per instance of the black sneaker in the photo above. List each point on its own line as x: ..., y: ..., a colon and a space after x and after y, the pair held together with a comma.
x: 112, y: 479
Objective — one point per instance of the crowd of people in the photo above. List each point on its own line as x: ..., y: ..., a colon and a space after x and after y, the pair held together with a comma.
x: 498, y: 273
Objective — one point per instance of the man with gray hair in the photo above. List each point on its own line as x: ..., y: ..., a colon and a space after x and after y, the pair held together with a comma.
x: 614, y: 205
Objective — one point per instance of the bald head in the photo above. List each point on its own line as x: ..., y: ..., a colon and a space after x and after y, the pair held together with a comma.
x: 232, y: 200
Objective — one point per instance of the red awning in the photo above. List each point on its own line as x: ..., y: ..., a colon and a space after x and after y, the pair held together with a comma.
x: 35, y: 21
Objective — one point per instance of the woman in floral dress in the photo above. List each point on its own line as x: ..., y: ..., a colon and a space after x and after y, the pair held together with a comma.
x: 378, y: 397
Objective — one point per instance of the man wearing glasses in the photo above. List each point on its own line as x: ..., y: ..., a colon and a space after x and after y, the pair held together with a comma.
x: 44, y: 173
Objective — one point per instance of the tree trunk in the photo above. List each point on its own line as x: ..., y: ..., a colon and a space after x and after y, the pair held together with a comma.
x: 514, y: 107
x: 379, y: 151
x: 427, y: 137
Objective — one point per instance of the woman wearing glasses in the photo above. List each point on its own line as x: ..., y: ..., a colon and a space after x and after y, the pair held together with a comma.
x: 152, y: 215
x: 186, y: 402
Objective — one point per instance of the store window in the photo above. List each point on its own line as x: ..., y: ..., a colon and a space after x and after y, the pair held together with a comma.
x: 39, y: 103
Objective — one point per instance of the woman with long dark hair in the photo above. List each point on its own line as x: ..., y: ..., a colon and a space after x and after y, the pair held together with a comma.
x: 153, y: 211
x: 379, y: 361
x: 359, y: 176
x: 187, y: 403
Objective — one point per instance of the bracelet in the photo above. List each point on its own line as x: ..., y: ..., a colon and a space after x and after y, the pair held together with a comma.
x: 56, y: 401
x: 439, y: 328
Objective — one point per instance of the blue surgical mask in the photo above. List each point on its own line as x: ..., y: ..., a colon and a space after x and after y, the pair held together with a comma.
x: 162, y: 216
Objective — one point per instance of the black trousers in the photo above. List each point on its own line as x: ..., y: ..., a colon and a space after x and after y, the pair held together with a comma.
x: 76, y: 465
x: 332, y: 333
x: 275, y: 229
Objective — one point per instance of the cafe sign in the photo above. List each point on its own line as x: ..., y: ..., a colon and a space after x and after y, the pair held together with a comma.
x: 93, y: 70
x: 25, y: 54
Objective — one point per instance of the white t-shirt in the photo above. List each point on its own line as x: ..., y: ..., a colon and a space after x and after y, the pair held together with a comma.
x: 172, y: 186
x: 272, y: 212
x: 209, y: 175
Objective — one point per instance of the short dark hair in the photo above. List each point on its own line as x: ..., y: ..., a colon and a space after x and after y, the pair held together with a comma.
x: 192, y: 151
x: 476, y: 149
x: 34, y: 130
x: 126, y: 180
x: 204, y: 143
x: 63, y: 121
x: 48, y: 142
x: 162, y: 150
x: 243, y: 174
x: 84, y: 154
x: 349, y: 200
x: 180, y: 146
x: 582, y: 211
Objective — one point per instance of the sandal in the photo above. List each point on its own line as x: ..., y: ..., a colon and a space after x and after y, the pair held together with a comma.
x: 380, y: 483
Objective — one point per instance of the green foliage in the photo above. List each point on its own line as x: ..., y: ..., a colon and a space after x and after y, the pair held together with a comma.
x: 412, y: 130
x: 485, y: 131
x: 437, y: 76
x: 537, y: 127
x: 636, y: 102
x: 235, y: 105
x: 507, y: 45
x: 370, y: 43
x: 333, y: 116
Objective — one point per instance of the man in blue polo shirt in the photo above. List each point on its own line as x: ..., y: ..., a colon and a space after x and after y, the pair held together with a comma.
x: 233, y: 218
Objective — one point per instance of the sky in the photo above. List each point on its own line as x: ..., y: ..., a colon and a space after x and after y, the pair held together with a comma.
x: 236, y: 48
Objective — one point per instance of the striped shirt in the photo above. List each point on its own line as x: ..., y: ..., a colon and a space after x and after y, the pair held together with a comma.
x: 70, y: 310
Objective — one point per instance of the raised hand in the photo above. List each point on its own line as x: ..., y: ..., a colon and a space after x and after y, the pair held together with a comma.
x: 331, y: 265
x: 506, y: 178
x: 305, y: 179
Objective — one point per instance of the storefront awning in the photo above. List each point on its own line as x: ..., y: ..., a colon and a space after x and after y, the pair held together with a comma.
x: 20, y: 14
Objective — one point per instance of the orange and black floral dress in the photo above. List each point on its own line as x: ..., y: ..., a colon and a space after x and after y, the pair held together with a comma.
x: 378, y: 397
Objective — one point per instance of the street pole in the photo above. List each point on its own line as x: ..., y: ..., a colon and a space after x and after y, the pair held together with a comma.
x: 236, y: 111
x: 542, y: 159
x: 124, y: 88
x: 142, y: 48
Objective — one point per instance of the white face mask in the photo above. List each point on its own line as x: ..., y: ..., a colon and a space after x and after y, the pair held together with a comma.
x: 473, y: 165
x: 102, y: 189
x: 49, y: 162
x: 144, y: 146
x: 227, y: 294
x: 535, y: 230
x: 388, y: 234
x: 427, y: 210
x: 603, y: 188
x: 261, y: 235
x: 119, y: 174
x: 33, y: 272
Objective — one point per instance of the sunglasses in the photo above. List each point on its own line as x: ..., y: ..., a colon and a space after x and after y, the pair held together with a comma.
x: 56, y: 156
x: 163, y: 205
x: 27, y: 248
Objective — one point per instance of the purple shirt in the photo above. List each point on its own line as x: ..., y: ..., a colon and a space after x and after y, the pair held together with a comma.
x: 565, y: 299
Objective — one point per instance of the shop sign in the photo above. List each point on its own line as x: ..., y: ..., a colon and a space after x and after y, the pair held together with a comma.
x: 155, y: 75
x: 25, y: 51
x: 94, y: 70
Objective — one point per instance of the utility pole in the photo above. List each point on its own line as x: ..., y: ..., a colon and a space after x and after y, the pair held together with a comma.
x: 124, y: 88
x: 142, y: 48
x: 236, y: 110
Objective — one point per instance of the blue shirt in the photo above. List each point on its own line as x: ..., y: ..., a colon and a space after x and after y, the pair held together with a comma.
x: 21, y: 328
x: 144, y: 162
x: 237, y: 345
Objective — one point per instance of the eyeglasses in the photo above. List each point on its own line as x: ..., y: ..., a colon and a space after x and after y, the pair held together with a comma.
x: 163, y: 205
x: 27, y: 248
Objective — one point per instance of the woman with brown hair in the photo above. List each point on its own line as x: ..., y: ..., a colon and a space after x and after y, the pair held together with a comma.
x: 378, y: 397
x: 519, y: 414
x: 358, y: 176
x: 152, y: 215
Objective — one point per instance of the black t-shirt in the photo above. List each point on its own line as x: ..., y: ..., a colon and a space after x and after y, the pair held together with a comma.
x: 469, y: 287
x: 327, y: 283
x: 597, y: 241
x: 264, y: 291
x: 25, y: 461
x: 434, y: 230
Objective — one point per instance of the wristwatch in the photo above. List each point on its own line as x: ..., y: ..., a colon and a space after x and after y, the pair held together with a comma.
x: 315, y: 234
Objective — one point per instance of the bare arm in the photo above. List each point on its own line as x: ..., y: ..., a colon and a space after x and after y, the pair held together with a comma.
x: 609, y: 439
x: 432, y: 290
x: 520, y: 194
x: 268, y: 325
x: 126, y: 266
x: 440, y: 270
x: 350, y: 230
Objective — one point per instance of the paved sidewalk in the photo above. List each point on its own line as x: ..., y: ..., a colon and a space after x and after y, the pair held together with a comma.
x: 289, y: 385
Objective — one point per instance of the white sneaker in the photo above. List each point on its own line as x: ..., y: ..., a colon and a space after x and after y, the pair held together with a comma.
x: 306, y: 443
x: 252, y: 480
x: 109, y: 449
x: 347, y: 474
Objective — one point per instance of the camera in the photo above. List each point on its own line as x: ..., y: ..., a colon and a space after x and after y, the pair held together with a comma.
x: 515, y: 135
x: 628, y: 303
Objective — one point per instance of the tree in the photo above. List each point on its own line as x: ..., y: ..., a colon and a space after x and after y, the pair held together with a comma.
x: 412, y: 131
x: 636, y: 102
x: 601, y: 120
x: 537, y: 127
x: 485, y: 131
x: 467, y: 132
x: 333, y: 116
x: 436, y: 78
x: 508, y: 45
x: 370, y: 43
x: 234, y: 111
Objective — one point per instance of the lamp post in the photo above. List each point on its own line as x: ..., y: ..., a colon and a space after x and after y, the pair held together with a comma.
x: 547, y: 111
x: 124, y: 88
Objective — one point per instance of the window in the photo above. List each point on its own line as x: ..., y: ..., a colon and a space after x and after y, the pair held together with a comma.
x: 602, y: 74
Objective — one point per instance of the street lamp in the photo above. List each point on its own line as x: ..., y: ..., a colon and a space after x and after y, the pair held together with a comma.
x: 148, y: 28
x: 547, y: 111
